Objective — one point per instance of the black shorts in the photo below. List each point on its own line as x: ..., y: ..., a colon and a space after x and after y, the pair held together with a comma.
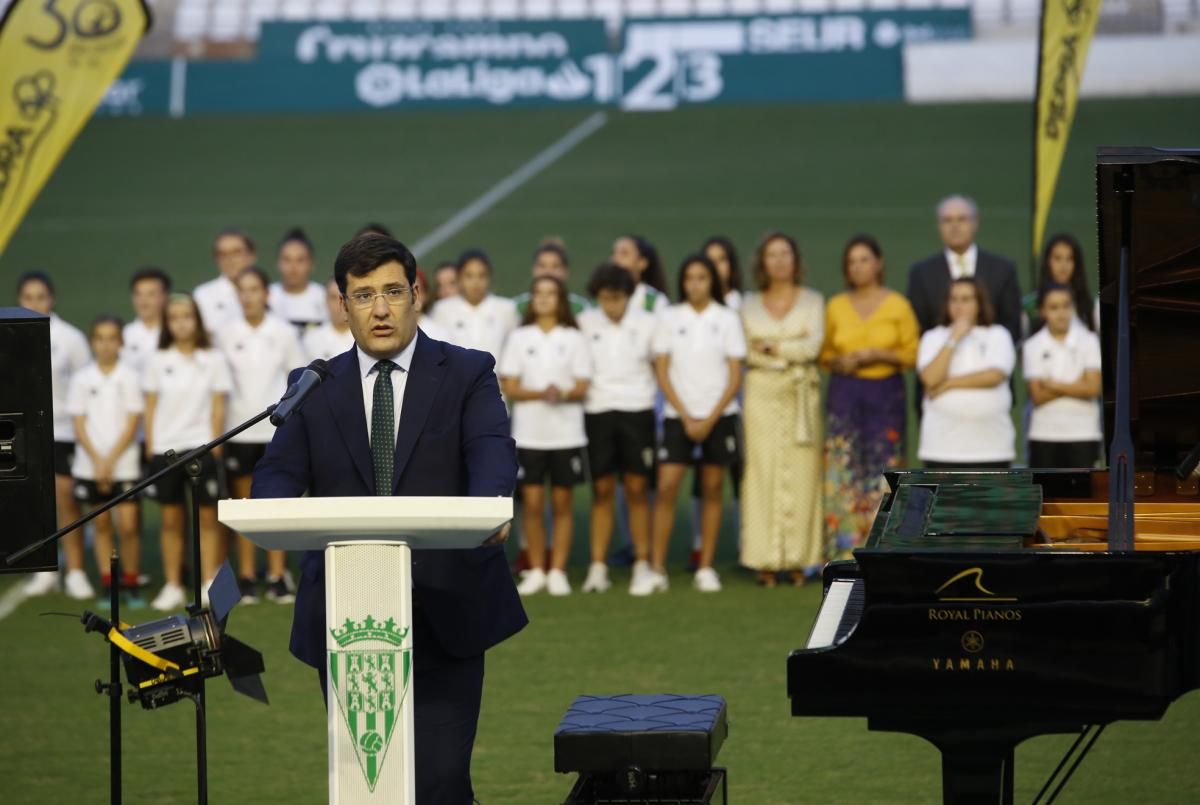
x: 560, y: 467
x: 240, y: 457
x: 620, y: 442
x: 170, y: 488
x: 64, y: 455
x: 1063, y: 455
x: 720, y: 448
x: 87, y: 491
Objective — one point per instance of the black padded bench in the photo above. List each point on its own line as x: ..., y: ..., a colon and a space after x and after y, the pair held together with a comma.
x: 655, y: 748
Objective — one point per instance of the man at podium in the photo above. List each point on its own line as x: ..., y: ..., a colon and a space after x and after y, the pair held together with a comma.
x: 401, y: 414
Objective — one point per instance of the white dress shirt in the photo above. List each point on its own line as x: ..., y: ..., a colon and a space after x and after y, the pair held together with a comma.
x: 968, y: 260
x: 399, y: 378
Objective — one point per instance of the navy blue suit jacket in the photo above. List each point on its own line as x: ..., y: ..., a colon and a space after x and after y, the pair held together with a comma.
x: 453, y: 440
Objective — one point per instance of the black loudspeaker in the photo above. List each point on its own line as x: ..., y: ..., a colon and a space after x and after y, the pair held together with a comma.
x: 26, y: 439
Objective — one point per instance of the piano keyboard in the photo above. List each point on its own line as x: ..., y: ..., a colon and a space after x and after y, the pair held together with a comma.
x: 839, y: 613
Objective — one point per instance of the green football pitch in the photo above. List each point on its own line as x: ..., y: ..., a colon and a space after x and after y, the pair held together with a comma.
x: 133, y: 192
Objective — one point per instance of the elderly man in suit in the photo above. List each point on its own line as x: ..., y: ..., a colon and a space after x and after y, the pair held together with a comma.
x: 929, y: 280
x: 402, y: 414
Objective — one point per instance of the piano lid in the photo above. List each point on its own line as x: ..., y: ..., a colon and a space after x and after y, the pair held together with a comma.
x: 1164, y: 296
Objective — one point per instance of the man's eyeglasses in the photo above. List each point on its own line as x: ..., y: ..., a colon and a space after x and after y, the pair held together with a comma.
x: 395, y: 297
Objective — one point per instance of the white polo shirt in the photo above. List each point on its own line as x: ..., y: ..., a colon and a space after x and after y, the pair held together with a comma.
x: 432, y: 329
x: 733, y: 300
x: 1044, y: 357
x: 259, y: 359
x: 139, y: 343
x: 484, y: 326
x: 185, y: 385
x: 540, y: 359
x: 105, y: 400
x: 622, y: 360
x: 700, y: 346
x: 218, y: 303
x: 306, y: 307
x: 69, y: 352
x: 649, y: 300
x: 963, y: 425
x: 325, y: 341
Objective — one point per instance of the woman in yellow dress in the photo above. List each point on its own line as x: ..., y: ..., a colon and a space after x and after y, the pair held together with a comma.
x: 781, y: 492
x: 871, y: 336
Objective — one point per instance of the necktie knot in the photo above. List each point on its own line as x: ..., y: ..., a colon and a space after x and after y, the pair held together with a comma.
x: 385, y: 367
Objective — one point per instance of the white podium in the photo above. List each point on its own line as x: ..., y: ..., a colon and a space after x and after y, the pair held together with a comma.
x: 368, y: 607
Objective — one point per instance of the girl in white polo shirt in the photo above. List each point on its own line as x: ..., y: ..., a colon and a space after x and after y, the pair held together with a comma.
x: 185, y: 383
x: 296, y: 298
x: 544, y: 373
x: 1062, y: 368
x: 699, y: 348
x: 476, y: 318
x: 619, y: 418
x: 964, y: 365
x: 105, y: 401
x: 334, y: 336
x: 261, y: 349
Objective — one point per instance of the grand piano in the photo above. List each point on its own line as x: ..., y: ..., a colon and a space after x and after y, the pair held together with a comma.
x: 989, y: 607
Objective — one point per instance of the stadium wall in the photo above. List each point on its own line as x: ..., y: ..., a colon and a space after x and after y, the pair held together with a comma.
x: 652, y: 64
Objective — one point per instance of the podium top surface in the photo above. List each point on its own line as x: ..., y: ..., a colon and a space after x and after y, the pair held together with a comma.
x: 305, y: 524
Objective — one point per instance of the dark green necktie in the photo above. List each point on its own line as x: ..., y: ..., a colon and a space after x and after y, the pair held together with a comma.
x: 383, y: 428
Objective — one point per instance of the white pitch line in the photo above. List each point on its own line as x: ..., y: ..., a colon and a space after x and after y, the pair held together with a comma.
x: 12, y: 598
x: 509, y: 183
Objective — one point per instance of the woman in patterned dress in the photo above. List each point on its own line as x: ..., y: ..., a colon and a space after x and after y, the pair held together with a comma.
x: 871, y: 336
x: 781, y: 492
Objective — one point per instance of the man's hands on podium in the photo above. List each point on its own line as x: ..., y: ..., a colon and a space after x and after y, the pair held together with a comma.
x: 500, y: 537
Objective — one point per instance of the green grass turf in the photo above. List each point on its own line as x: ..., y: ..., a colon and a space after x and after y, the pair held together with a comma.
x: 154, y: 191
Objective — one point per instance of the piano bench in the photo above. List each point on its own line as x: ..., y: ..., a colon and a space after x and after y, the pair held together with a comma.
x: 643, y: 748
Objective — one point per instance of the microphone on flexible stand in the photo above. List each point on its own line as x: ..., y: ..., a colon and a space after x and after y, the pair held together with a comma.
x: 312, y: 376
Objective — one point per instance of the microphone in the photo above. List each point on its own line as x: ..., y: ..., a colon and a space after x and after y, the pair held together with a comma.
x: 312, y: 376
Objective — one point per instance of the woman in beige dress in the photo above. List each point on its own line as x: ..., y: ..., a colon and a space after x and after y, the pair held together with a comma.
x: 781, y: 493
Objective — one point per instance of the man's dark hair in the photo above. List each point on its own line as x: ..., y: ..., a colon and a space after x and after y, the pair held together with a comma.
x: 107, y: 318
x: 35, y: 276
x: 714, y: 288
x: 236, y: 232
x: 610, y: 277
x: 365, y: 253
x: 475, y: 254
x: 986, y: 316
x: 374, y: 228
x: 151, y: 273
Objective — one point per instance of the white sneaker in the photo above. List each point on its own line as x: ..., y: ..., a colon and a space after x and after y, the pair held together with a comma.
x: 597, y: 579
x: 171, y: 597
x: 649, y: 582
x: 706, y: 580
x: 78, y: 586
x: 557, y: 584
x: 42, y: 583
x: 534, y: 581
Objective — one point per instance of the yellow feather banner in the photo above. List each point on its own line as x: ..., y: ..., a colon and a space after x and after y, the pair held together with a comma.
x: 57, y: 59
x: 1067, y: 28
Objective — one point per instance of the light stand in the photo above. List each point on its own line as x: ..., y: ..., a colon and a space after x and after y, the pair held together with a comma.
x: 190, y: 463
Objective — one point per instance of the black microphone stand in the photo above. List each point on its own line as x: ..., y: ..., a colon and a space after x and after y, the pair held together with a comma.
x: 190, y: 463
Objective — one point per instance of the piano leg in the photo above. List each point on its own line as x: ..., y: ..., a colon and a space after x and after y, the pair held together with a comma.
x: 977, y: 773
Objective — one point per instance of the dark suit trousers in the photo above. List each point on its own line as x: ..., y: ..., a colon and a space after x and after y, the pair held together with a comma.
x: 448, y: 694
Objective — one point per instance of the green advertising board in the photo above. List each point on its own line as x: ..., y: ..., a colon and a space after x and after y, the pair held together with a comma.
x: 654, y: 64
